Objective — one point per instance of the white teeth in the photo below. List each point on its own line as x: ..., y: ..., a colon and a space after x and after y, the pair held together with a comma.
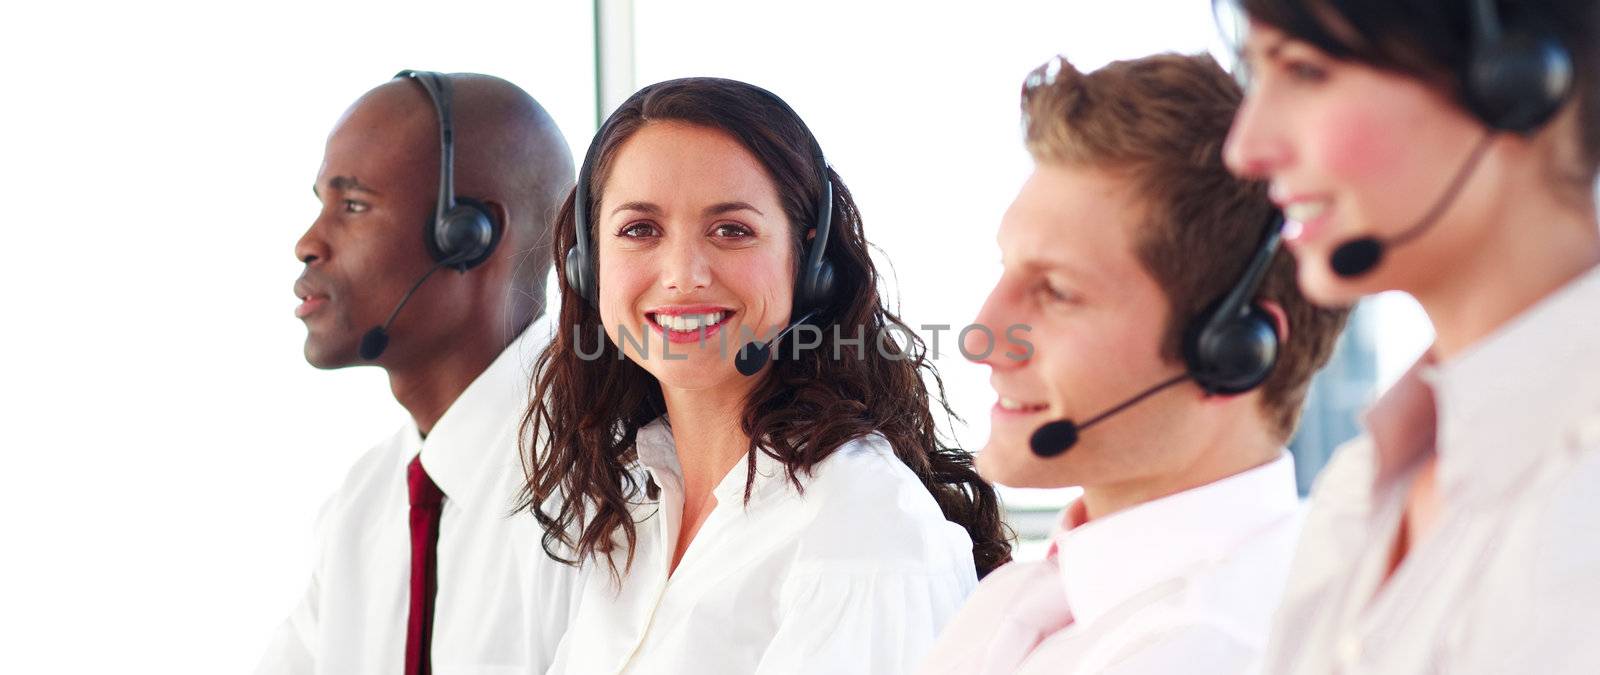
x: 1302, y: 212
x: 1013, y: 404
x: 689, y: 322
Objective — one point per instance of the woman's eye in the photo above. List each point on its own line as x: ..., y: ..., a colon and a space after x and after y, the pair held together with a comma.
x: 732, y: 231
x: 637, y: 230
x: 353, y: 206
x: 1302, y: 71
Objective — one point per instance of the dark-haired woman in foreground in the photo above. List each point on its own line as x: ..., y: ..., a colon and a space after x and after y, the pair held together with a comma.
x: 1448, y: 150
x: 805, y: 519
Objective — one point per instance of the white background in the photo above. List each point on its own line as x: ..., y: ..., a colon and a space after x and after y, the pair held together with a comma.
x: 165, y: 446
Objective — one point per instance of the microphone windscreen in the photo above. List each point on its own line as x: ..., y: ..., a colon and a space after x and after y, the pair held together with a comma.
x: 373, y: 343
x: 1355, y: 258
x: 751, y: 358
x: 1054, y: 438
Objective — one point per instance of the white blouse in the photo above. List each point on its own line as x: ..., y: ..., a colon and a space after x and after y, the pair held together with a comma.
x: 856, y: 575
x: 1508, y: 581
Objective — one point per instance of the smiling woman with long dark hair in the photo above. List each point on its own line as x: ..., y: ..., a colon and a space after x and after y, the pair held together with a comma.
x: 806, y: 518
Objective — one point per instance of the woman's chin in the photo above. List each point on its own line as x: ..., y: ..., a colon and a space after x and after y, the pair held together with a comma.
x: 692, y: 371
x: 1321, y: 286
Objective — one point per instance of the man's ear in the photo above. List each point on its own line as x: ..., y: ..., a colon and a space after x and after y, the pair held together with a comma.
x: 1280, y: 318
x: 499, y: 215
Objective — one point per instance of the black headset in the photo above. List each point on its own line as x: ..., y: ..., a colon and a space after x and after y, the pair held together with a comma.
x: 462, y: 233
x: 1518, y: 73
x: 815, y: 283
x: 1231, y: 347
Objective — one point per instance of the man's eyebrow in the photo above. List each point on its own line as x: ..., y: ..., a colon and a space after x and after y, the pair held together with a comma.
x: 345, y: 184
x: 1045, y: 263
x: 1039, y: 262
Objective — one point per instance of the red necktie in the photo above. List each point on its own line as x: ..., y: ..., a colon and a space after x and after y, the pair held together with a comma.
x: 426, y: 502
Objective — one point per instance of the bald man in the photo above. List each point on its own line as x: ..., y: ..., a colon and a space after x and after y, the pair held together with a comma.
x: 420, y: 566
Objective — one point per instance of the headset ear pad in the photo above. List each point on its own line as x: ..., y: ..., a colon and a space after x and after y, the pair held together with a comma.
x: 465, y: 234
x: 816, y: 285
x: 1519, y: 82
x: 1234, y: 356
x: 578, y: 274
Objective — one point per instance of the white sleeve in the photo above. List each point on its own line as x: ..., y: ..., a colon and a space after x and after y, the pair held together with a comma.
x: 289, y: 652
x: 294, y: 643
x: 843, y: 620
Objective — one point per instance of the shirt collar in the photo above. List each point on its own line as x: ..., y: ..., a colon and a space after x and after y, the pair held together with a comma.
x: 1402, y: 422
x: 1493, y: 411
x: 659, y: 455
x: 464, y: 454
x: 1108, y: 561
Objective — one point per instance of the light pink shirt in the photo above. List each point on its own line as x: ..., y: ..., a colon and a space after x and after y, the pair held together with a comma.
x: 1508, y: 579
x: 1182, y: 584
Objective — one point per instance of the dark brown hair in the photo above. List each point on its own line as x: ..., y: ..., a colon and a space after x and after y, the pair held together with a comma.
x: 588, y: 411
x: 1432, y: 40
x: 1160, y: 121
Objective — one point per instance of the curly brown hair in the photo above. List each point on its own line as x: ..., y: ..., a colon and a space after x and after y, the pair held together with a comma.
x: 588, y: 410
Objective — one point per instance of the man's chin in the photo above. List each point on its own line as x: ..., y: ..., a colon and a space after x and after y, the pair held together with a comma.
x: 1014, y: 465
x: 330, y: 357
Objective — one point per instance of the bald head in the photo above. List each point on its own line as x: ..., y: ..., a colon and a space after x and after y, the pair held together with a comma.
x: 508, y: 151
x: 378, y: 185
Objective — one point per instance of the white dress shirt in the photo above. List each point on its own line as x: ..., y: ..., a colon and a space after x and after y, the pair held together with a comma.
x: 1182, y: 584
x: 501, y: 605
x: 1508, y: 580
x: 857, y: 575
